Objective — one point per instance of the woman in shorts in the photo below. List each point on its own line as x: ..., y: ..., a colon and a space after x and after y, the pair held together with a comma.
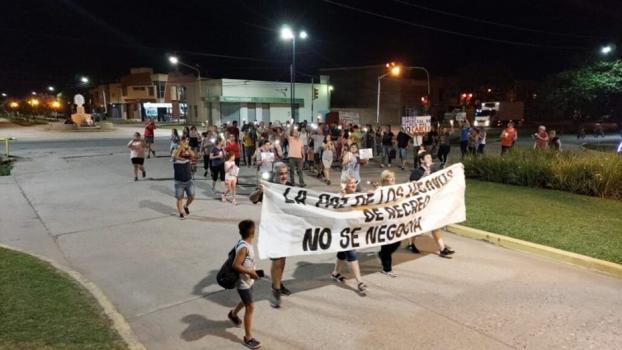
x: 231, y: 177
x: 137, y: 154
x: 350, y: 256
x: 327, y: 157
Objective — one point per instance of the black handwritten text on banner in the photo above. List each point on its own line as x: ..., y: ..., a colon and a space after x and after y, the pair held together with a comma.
x: 298, y: 221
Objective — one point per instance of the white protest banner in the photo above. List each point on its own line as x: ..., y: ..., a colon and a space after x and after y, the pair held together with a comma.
x: 298, y: 221
x: 366, y: 153
x: 417, y: 125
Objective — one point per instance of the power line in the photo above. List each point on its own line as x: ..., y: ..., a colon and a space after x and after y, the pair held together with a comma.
x: 479, y: 20
x: 452, y: 32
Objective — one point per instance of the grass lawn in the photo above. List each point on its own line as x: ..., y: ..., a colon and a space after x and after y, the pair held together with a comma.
x: 41, y: 308
x: 585, y: 225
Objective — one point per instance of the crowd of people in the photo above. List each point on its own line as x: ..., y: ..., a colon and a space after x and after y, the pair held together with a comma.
x: 287, y: 154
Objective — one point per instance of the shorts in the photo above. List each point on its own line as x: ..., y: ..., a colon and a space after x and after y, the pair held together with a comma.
x: 402, y: 153
x: 218, y: 172
x: 246, y: 295
x: 148, y: 140
x: 327, y: 163
x: 349, y: 255
x: 138, y: 161
x: 184, y: 187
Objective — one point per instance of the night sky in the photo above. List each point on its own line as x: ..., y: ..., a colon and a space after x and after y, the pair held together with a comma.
x: 53, y: 42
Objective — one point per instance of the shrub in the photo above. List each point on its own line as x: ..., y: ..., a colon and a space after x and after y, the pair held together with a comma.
x: 589, y: 173
x: 5, y: 168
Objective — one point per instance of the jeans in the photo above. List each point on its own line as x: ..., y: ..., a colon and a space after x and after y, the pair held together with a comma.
x: 463, y: 147
x: 443, y: 152
x: 386, y: 150
x: 385, y: 255
x: 295, y: 165
x: 248, y: 155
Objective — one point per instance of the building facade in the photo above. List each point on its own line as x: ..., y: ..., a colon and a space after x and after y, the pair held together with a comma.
x: 174, y: 96
x: 229, y: 100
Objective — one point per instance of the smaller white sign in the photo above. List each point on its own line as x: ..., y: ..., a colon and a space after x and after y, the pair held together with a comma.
x: 366, y: 153
x: 460, y: 116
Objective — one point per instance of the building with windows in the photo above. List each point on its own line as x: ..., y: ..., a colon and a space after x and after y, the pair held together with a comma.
x: 173, y: 96
x: 240, y: 100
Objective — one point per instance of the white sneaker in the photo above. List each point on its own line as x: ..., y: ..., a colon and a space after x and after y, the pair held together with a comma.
x: 389, y: 273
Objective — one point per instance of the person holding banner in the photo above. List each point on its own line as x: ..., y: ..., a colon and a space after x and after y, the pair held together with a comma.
x: 387, y: 178
x: 281, y: 176
x: 350, y: 185
x: 425, y: 169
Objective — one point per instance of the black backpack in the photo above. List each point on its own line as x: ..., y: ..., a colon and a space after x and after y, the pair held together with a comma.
x: 227, y: 277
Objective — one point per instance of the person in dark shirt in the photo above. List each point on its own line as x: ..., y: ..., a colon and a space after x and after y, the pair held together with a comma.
x: 387, y: 147
x: 424, y: 168
x: 182, y: 168
x: 403, y: 139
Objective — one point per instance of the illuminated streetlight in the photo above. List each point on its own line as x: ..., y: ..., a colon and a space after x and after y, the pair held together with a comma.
x: 34, y: 93
x: 489, y: 90
x: 394, y: 70
x: 14, y: 105
x: 173, y: 59
x: 288, y: 34
x: 607, y: 49
x: 51, y: 88
x: 84, y: 80
x: 55, y: 104
x: 33, y: 102
x: 331, y: 88
x: 4, y: 94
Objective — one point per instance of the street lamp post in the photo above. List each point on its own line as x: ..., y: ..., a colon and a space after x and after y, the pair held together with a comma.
x: 175, y: 61
x: 396, y: 70
x: 288, y: 34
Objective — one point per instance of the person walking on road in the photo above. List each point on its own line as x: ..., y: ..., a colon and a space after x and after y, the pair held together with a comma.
x: 149, y: 133
x: 231, y: 178
x: 481, y: 140
x: 351, y: 164
x: 464, y: 138
x: 296, y: 156
x: 327, y: 158
x: 244, y: 263
x: 403, y: 139
x: 349, y: 255
x: 174, y: 141
x: 508, y: 138
x: 387, y: 147
x: 182, y: 171
x: 387, y: 178
x: 281, y: 176
x: 194, y: 139
x: 233, y: 146
x: 217, y: 159
x: 424, y: 169
x: 137, y: 155
x: 443, y: 147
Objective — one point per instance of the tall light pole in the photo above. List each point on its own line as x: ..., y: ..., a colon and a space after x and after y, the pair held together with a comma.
x: 175, y: 61
x: 395, y: 71
x: 288, y: 34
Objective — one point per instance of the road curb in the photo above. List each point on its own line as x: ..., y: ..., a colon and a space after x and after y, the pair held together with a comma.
x: 119, y: 323
x: 538, y: 249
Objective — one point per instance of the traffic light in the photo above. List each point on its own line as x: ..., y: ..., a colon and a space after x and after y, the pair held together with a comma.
x: 316, y: 93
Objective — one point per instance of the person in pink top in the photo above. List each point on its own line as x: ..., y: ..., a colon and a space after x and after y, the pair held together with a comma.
x: 541, y: 138
x: 149, y: 137
x: 137, y: 154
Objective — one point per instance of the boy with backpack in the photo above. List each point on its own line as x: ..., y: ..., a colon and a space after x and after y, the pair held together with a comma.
x: 244, y: 264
